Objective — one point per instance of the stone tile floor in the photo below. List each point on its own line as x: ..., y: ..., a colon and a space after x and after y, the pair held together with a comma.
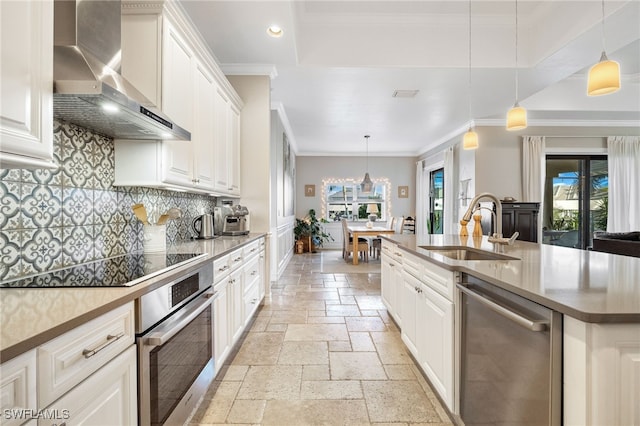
x: 322, y: 351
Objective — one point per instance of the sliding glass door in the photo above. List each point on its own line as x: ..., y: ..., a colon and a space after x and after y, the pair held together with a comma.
x: 576, y: 194
x: 436, y: 202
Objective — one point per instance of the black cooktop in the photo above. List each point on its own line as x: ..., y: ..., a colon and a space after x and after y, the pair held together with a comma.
x: 120, y: 271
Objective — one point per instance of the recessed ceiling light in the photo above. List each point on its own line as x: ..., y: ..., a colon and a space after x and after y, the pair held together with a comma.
x: 274, y: 31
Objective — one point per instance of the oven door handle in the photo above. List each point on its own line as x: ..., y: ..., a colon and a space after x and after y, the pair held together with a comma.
x: 169, y: 328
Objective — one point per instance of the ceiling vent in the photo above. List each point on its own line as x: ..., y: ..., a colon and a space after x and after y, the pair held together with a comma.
x: 405, y: 93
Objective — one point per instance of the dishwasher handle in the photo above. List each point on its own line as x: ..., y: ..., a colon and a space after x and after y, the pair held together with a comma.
x: 537, y: 325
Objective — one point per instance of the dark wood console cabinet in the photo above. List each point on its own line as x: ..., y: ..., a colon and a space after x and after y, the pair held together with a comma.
x: 521, y: 217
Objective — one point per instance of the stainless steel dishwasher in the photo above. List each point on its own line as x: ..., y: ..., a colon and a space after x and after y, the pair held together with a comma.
x: 511, y: 358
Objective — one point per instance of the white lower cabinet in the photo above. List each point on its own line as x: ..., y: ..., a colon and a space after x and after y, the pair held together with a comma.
x: 18, y: 388
x: 419, y: 296
x: 221, y: 341
x: 410, y: 301
x: 434, y: 341
x: 108, y: 397
x: 236, y: 305
x: 86, y: 376
x: 392, y: 280
x: 601, y: 373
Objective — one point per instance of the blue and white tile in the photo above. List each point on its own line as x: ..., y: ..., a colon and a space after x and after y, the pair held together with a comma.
x: 104, y: 163
x: 105, y: 207
x: 77, y: 245
x: 110, y: 240
x: 41, y: 206
x: 132, y: 237
x: 41, y: 250
x: 77, y: 169
x: 10, y: 217
x: 126, y: 199
x: 13, y: 175
x: 77, y: 207
x: 43, y: 176
x: 10, y: 260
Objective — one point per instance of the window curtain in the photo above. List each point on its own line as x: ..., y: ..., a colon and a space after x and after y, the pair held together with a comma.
x: 421, y: 213
x: 624, y: 183
x: 449, y: 193
x: 533, y: 173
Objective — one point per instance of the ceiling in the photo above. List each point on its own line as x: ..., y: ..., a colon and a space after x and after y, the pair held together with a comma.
x: 338, y: 63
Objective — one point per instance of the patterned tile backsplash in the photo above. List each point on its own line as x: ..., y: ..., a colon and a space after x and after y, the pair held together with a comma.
x: 56, y: 218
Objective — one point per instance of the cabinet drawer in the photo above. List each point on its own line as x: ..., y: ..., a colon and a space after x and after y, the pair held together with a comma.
x: 413, y: 265
x: 67, y: 360
x: 439, y: 279
x: 251, y: 250
x: 251, y: 271
x: 18, y: 387
x: 236, y: 259
x: 221, y: 268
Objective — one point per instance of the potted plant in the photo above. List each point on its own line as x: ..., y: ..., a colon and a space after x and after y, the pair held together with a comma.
x: 310, y: 228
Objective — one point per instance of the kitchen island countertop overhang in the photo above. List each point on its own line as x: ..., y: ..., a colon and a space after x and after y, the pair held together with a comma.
x: 590, y: 286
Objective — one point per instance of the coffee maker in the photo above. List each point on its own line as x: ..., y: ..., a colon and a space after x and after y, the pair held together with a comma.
x: 236, y: 222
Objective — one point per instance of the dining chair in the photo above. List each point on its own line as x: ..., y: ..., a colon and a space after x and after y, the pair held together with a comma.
x: 376, y: 243
x: 347, y: 245
x: 398, y: 225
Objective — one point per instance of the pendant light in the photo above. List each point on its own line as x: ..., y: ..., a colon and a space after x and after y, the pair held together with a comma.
x: 604, y: 77
x: 517, y: 116
x: 366, y: 185
x: 470, y: 140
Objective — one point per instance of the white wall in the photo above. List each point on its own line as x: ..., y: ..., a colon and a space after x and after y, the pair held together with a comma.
x: 496, y: 166
x: 400, y: 171
x: 255, y: 147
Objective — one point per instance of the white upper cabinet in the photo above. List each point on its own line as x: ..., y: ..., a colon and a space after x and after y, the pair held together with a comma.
x: 26, y: 84
x: 165, y: 57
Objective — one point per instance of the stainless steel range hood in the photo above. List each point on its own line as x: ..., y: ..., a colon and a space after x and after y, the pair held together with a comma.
x: 88, y: 88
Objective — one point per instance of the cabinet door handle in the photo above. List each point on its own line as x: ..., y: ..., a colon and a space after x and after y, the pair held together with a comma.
x: 254, y: 272
x: 237, y: 259
x: 224, y: 268
x: 88, y: 353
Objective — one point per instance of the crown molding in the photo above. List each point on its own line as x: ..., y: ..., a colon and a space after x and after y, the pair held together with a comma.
x: 250, y: 69
x: 500, y: 122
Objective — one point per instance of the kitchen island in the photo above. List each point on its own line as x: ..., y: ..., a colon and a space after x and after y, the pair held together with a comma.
x: 597, y: 296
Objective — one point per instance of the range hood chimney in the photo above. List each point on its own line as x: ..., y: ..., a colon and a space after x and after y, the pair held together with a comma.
x: 88, y: 88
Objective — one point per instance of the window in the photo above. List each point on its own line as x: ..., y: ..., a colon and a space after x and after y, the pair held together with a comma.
x: 576, y: 194
x: 343, y: 199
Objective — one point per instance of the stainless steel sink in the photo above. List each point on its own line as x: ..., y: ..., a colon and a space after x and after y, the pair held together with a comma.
x: 466, y: 253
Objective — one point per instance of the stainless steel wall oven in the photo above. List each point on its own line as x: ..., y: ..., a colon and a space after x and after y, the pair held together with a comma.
x: 175, y: 347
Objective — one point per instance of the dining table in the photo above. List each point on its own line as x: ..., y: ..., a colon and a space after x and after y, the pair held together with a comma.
x: 357, y: 231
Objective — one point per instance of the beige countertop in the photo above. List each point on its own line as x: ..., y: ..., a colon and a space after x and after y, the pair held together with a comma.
x: 590, y: 286
x: 32, y: 316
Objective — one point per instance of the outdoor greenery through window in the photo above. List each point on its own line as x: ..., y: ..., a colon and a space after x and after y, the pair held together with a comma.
x: 345, y: 200
x: 576, y: 199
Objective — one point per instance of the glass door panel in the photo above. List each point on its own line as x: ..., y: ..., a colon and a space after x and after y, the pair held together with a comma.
x: 436, y: 202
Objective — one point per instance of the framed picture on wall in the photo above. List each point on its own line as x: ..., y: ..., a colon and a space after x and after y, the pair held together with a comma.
x: 309, y: 190
x: 403, y: 192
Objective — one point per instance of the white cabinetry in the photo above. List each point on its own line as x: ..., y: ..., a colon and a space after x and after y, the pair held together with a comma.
x: 166, y: 58
x: 392, y: 289
x: 85, y: 376
x: 26, y: 84
x: 18, y: 388
x: 107, y: 397
x: 601, y: 373
x: 424, y: 310
x: 238, y: 279
x: 221, y: 337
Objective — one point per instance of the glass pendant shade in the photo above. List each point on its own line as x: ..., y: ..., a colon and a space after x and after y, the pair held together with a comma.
x: 367, y: 184
x: 470, y: 140
x: 604, y: 77
x: 516, y: 118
